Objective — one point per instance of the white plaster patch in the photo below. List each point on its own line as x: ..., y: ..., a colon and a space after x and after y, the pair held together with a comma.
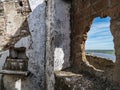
x: 35, y: 3
x: 18, y: 84
x: 59, y: 58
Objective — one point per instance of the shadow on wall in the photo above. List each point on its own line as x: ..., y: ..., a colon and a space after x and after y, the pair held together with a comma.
x: 22, y: 31
x: 14, y: 24
x: 14, y: 28
x: 62, y: 34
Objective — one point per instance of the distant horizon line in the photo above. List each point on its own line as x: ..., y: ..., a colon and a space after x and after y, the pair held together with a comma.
x: 100, y: 49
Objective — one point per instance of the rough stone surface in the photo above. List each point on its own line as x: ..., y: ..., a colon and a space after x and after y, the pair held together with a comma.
x: 115, y: 27
x: 82, y: 14
x: 49, y: 66
x: 45, y: 33
x: 13, y: 24
x: 34, y: 42
x: 67, y: 80
x: 102, y: 64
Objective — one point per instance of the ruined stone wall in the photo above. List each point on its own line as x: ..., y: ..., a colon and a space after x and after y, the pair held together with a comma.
x: 82, y: 14
x: 100, y: 63
x: 103, y: 64
x: 36, y: 32
x: 32, y: 38
x: 41, y: 31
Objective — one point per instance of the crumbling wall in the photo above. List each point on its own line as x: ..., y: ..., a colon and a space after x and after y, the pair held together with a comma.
x: 82, y: 14
x: 32, y: 38
x: 36, y: 32
x: 103, y: 64
x: 100, y: 63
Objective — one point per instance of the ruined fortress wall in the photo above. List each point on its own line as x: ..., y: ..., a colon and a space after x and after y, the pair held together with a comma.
x: 100, y: 63
x: 82, y: 14
x: 34, y: 42
x: 35, y: 31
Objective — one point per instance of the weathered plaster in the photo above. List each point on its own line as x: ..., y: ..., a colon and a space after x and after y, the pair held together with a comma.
x: 13, y: 24
x: 47, y: 40
x: 35, y: 50
x: 62, y: 35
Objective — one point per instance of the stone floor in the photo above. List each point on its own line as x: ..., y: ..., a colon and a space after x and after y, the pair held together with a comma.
x: 67, y: 80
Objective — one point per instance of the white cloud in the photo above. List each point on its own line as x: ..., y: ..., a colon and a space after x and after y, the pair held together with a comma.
x: 99, y: 36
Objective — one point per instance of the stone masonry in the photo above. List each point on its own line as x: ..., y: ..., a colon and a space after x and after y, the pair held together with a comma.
x: 52, y: 34
x: 82, y: 14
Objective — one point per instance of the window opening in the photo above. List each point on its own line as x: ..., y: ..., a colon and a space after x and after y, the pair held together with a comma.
x: 100, y: 40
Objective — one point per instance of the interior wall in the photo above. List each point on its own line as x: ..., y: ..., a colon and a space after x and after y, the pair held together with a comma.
x: 62, y: 34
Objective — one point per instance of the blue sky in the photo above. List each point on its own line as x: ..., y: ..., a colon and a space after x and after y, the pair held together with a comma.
x: 99, y: 36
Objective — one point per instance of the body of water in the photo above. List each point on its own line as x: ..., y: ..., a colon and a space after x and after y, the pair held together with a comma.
x: 109, y: 54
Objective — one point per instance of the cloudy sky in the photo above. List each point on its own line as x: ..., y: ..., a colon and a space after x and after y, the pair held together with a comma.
x: 99, y: 36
